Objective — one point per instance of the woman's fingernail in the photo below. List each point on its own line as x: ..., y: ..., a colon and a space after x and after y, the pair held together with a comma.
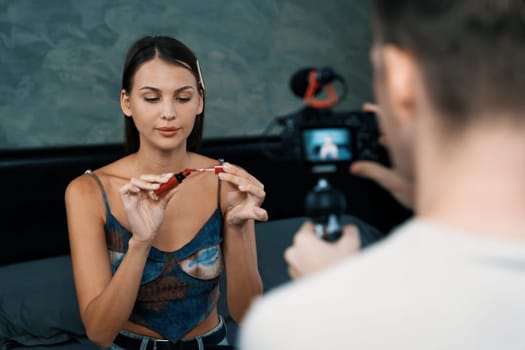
x: 227, y: 166
x: 153, y: 196
x: 166, y: 177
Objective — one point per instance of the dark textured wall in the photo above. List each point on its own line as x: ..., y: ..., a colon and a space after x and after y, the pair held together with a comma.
x: 60, y: 61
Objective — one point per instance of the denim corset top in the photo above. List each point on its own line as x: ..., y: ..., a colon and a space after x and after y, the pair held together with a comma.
x: 178, y: 289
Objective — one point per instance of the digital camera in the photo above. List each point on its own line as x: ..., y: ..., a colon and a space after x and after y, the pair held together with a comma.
x: 327, y: 140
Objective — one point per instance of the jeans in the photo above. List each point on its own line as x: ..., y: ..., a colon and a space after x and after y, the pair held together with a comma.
x: 145, y: 339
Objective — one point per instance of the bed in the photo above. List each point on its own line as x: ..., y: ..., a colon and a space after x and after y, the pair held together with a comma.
x: 38, y: 307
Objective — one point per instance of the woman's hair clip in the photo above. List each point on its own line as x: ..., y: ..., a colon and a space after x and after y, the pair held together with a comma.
x: 200, y: 75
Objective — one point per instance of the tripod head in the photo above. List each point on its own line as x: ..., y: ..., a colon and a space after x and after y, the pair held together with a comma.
x: 325, y: 204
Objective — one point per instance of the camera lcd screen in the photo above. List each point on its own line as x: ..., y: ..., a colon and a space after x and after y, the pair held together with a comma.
x: 327, y: 145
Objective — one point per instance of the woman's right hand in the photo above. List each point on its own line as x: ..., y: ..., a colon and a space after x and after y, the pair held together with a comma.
x: 145, y: 211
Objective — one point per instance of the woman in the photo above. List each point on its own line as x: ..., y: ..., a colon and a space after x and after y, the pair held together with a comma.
x: 159, y: 281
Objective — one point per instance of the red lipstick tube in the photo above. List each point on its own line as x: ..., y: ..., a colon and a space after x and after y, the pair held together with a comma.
x: 177, y: 179
x: 173, y: 182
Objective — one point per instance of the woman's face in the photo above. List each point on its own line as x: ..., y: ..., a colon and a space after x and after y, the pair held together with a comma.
x: 163, y: 102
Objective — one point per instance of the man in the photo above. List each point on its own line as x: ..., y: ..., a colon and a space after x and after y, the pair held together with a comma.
x: 449, y: 79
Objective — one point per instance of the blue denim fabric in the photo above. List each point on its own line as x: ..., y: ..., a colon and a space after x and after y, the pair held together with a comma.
x: 146, y: 339
x: 178, y: 289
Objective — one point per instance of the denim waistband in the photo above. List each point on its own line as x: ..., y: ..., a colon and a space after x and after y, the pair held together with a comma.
x: 132, y: 341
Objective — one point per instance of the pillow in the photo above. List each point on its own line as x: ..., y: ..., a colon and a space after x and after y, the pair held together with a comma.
x: 38, y: 304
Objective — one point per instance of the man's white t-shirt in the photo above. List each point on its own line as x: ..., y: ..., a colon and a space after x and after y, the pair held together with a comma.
x: 423, y: 287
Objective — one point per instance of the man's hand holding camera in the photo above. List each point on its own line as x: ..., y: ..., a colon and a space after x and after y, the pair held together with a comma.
x: 309, y: 253
x: 389, y: 179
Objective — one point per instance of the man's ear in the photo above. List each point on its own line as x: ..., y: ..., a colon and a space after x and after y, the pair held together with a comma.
x: 125, y: 103
x: 401, y: 76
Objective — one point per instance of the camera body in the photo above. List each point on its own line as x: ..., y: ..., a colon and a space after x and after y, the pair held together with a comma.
x: 327, y: 140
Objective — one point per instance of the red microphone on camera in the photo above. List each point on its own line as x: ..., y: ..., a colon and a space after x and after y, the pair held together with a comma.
x: 307, y: 83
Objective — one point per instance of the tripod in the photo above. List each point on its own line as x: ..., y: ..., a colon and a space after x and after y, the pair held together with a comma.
x: 325, y: 204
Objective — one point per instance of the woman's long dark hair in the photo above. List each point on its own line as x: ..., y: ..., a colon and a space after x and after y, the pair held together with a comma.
x: 170, y: 50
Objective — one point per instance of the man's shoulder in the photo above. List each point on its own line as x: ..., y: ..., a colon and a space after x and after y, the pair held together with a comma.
x: 360, y: 269
x: 370, y: 269
x: 414, y: 275
x: 317, y: 300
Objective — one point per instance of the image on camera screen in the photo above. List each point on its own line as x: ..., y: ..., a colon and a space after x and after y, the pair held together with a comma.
x: 327, y: 145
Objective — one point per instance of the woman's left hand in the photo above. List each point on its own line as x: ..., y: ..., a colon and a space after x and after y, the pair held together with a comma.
x: 244, y: 197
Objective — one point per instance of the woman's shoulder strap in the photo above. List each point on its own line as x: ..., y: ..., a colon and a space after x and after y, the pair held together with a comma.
x: 101, y: 186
